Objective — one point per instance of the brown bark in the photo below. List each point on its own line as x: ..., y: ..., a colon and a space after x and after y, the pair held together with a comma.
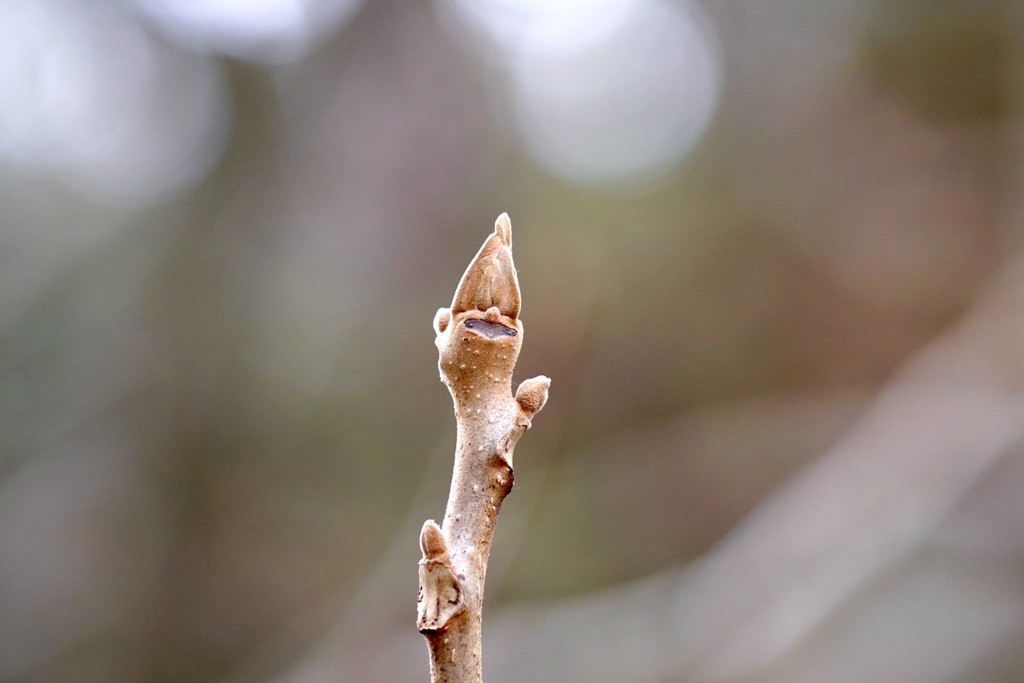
x: 478, y: 341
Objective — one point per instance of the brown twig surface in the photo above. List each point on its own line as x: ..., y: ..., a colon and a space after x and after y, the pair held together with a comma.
x: 478, y: 340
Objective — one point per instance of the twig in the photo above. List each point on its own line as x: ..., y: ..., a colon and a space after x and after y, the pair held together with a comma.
x: 478, y: 340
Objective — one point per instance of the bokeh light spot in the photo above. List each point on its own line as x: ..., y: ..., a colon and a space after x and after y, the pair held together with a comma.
x: 612, y: 92
x: 90, y: 97
x: 256, y: 30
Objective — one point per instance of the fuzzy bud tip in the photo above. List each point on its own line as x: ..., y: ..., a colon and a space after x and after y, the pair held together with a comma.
x: 432, y: 542
x: 503, y: 229
x: 533, y: 394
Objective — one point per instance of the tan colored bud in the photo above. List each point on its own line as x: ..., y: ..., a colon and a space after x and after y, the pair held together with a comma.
x: 432, y: 542
x: 441, y: 320
x: 490, y: 280
x: 533, y: 394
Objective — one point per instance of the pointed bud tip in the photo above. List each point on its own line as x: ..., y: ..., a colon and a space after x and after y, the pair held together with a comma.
x: 432, y: 542
x: 503, y: 229
x: 490, y: 279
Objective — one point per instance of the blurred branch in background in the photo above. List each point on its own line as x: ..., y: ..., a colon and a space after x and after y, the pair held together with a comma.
x: 739, y: 223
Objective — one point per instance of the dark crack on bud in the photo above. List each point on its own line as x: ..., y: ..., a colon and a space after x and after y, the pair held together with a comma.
x: 490, y: 330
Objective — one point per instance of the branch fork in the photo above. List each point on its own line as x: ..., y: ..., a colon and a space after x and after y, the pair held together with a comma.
x: 478, y: 340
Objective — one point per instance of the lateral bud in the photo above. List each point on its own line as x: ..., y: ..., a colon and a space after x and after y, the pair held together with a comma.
x: 441, y: 320
x: 440, y: 591
x: 532, y: 394
x: 432, y: 543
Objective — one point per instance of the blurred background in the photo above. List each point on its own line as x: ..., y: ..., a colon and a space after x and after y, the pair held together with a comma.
x: 770, y: 254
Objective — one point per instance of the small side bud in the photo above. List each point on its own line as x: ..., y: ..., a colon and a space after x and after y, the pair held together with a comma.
x: 440, y: 594
x: 432, y: 542
x: 441, y: 320
x: 533, y: 394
